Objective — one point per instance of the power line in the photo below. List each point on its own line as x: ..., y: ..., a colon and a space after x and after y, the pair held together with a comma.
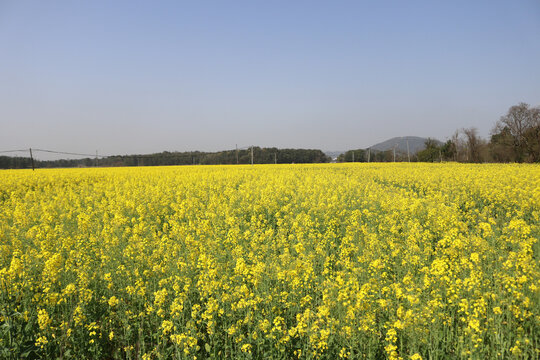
x: 10, y: 151
x: 70, y: 153
x: 249, y: 148
x: 55, y: 152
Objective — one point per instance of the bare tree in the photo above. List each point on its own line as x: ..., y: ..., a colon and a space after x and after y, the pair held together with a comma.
x: 474, y: 144
x: 532, y: 135
x: 455, y: 140
x: 520, y: 121
x: 460, y: 146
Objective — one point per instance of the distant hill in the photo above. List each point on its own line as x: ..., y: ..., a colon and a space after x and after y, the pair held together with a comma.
x: 333, y: 154
x: 416, y: 144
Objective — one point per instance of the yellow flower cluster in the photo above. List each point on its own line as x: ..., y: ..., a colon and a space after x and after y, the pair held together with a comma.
x: 400, y: 261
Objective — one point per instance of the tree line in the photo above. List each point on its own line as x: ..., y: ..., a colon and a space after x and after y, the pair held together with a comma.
x: 514, y: 138
x: 260, y: 156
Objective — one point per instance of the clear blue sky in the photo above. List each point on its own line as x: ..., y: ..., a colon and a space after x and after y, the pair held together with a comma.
x: 140, y: 77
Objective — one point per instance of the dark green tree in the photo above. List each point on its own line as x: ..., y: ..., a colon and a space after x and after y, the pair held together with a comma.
x: 431, y: 153
x: 358, y: 155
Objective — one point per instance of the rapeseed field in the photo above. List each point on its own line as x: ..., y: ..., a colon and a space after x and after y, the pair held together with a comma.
x: 357, y: 261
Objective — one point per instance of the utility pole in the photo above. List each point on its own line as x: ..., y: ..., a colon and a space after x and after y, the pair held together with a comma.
x: 236, y: 154
x: 353, y: 156
x: 394, y: 153
x: 408, y: 154
x: 32, y: 159
x: 275, y: 158
x: 368, y: 154
x: 251, y: 154
x: 96, y: 159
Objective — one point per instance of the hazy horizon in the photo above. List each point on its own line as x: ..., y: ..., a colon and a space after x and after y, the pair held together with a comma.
x: 135, y: 78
